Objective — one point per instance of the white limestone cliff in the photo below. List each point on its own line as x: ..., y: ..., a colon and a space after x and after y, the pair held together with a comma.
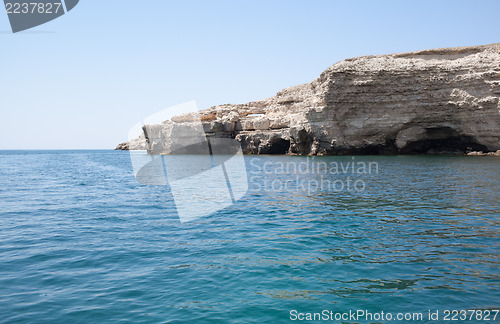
x: 432, y: 101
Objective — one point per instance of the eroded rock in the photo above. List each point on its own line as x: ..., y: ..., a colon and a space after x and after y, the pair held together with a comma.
x: 432, y: 101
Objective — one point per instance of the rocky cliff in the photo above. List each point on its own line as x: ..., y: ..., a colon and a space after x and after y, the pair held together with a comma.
x: 432, y: 101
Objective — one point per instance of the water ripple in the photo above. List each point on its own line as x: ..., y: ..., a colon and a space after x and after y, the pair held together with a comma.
x: 82, y: 242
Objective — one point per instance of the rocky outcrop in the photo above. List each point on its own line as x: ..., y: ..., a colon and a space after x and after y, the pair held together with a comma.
x: 139, y: 143
x: 432, y: 101
x: 475, y: 153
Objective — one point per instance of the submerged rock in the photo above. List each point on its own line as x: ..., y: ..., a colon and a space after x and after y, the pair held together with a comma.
x: 433, y: 101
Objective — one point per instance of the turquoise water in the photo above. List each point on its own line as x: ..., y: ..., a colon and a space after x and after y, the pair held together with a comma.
x: 82, y: 242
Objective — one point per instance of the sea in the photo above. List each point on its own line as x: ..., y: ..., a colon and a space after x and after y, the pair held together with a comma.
x: 82, y: 241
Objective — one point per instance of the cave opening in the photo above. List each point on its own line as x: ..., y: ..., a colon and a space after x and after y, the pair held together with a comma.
x: 277, y: 146
x: 449, y: 145
x: 442, y: 140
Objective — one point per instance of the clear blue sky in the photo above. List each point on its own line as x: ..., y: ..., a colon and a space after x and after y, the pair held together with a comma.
x: 83, y: 80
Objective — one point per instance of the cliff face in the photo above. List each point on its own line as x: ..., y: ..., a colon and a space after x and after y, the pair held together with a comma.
x: 433, y: 101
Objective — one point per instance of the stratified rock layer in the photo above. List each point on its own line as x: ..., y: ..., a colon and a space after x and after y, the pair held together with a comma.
x: 433, y: 101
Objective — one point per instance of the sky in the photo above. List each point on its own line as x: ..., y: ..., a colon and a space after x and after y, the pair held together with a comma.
x: 83, y: 80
